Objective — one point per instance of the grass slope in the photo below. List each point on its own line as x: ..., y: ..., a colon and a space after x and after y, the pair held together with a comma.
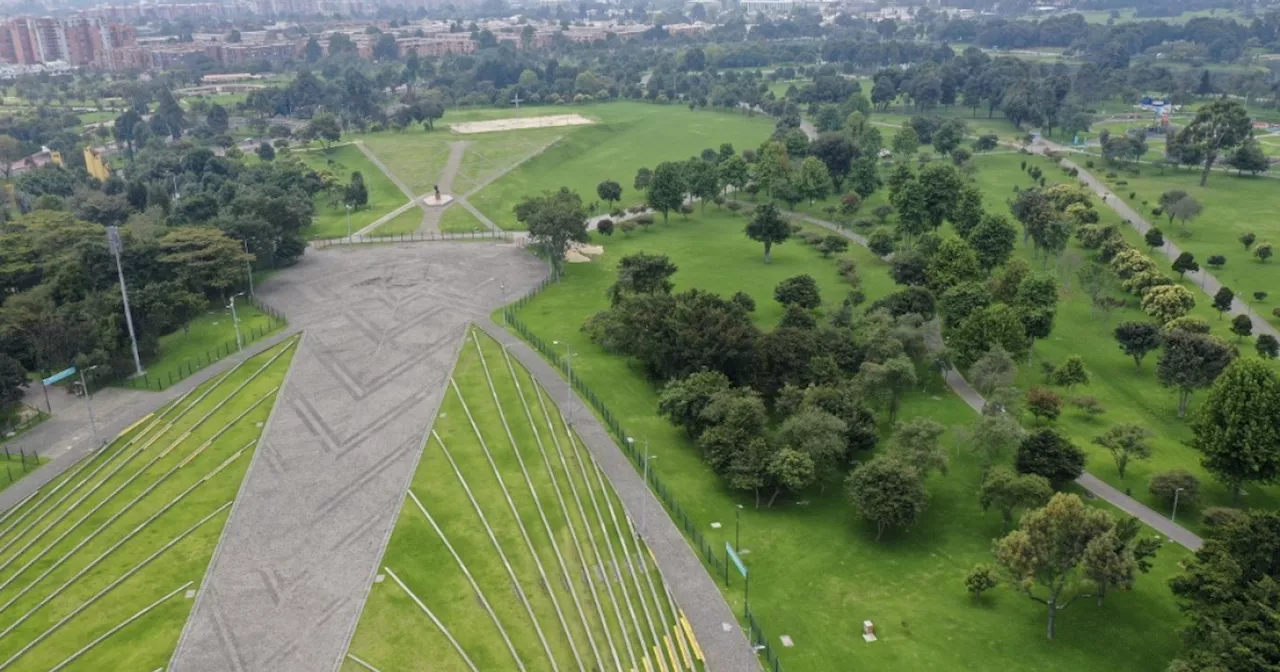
x: 817, y: 572
x: 211, y: 335
x: 98, y: 523
x: 551, y: 516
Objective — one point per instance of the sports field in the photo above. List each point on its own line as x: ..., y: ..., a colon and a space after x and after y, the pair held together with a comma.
x: 98, y: 568
x: 511, y: 550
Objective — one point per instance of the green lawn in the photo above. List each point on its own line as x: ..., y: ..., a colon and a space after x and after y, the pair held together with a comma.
x: 1233, y: 206
x: 458, y: 219
x: 208, y: 338
x: 628, y: 136
x: 331, y: 221
x: 978, y: 125
x: 50, y: 544
x: 1128, y: 393
x: 405, y: 222
x: 552, y: 518
x: 817, y: 572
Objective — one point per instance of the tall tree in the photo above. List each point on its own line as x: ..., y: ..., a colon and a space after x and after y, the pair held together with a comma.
x: 1190, y: 361
x: 1217, y: 127
x: 1236, y: 429
x: 887, y: 493
x: 767, y: 226
x: 1005, y: 490
x: 609, y: 191
x: 1126, y: 442
x: 665, y: 191
x: 555, y: 220
x: 1137, y: 339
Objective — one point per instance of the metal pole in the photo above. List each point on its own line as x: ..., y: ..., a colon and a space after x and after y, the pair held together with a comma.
x: 1174, y: 517
x: 644, y: 509
x: 248, y: 267
x: 348, y: 221
x: 737, y: 529
x: 236, y: 320
x: 113, y: 241
x: 88, y: 402
x: 568, y: 401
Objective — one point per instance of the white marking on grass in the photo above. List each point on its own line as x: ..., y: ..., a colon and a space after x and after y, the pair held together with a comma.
x: 124, y: 509
x: 605, y: 534
x: 88, y: 603
x: 542, y: 515
x: 641, y: 549
x: 582, y: 560
x: 466, y: 572
x: 479, y: 511
x: 141, y: 526
x: 520, y: 123
x: 361, y: 663
x: 104, y: 636
x: 448, y: 635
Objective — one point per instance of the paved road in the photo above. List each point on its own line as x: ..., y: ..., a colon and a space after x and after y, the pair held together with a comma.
x: 66, y: 437
x: 382, y: 325
x: 1202, y: 278
x: 725, y: 645
x: 1088, y: 481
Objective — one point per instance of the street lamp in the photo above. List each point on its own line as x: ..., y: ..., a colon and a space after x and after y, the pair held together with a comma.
x: 113, y: 242
x: 248, y: 266
x: 88, y: 402
x: 235, y: 319
x: 644, y: 510
x: 1174, y: 517
x: 348, y: 221
x: 568, y: 395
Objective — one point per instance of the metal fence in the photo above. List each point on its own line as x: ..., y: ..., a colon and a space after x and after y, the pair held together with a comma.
x: 28, y: 462
x: 19, y: 427
x: 710, y: 554
x: 485, y: 234
x: 156, y: 382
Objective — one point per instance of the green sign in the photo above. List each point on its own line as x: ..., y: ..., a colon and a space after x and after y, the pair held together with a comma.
x: 728, y: 549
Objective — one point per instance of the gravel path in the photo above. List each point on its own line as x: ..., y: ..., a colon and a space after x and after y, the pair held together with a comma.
x: 382, y: 325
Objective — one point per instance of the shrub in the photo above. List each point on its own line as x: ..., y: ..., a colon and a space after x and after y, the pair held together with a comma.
x: 1132, y: 194
x: 644, y: 220
x: 1088, y: 405
x: 847, y: 270
x: 1221, y: 516
x: 1111, y: 175
x: 627, y: 227
x: 980, y: 579
x: 605, y: 227
x: 863, y: 223
x: 733, y: 206
x: 1088, y: 163
x: 1122, y: 183
x: 1044, y: 403
x: 686, y: 209
x: 1164, y: 486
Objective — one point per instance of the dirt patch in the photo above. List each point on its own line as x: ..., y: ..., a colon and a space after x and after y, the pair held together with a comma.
x: 581, y: 254
x: 521, y: 123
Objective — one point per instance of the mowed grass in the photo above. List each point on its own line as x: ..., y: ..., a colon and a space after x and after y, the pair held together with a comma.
x: 817, y: 572
x: 555, y: 522
x: 384, y: 196
x: 408, y: 221
x: 128, y: 526
x: 209, y: 337
x: 1233, y: 206
x: 457, y: 219
x: 16, y: 466
x: 626, y: 137
x: 1128, y: 392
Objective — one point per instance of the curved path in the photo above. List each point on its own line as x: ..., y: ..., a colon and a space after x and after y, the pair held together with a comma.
x: 1202, y: 278
x: 1093, y: 484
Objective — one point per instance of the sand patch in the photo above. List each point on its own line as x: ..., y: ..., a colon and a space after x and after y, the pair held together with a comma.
x: 521, y: 123
x: 581, y: 254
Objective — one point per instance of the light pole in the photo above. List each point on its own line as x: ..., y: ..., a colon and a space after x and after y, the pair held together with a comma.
x: 248, y: 266
x: 737, y: 529
x: 644, y: 510
x: 568, y: 395
x: 348, y: 221
x: 235, y: 319
x: 1174, y: 517
x: 88, y: 402
x: 113, y: 242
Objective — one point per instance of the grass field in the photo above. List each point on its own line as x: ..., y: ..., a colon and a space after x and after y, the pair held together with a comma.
x: 817, y: 572
x: 406, y: 222
x: 97, y: 566
x: 1233, y: 206
x: 978, y: 125
x: 16, y: 466
x: 512, y: 546
x: 458, y: 219
x: 1128, y: 393
x: 209, y: 337
x: 1127, y: 15
x: 384, y: 196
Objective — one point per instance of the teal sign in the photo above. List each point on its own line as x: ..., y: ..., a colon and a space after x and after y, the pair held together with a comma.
x: 728, y: 549
x: 59, y: 376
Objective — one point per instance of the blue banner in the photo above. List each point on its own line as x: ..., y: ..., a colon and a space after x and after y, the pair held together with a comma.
x: 61, y: 375
x: 728, y: 549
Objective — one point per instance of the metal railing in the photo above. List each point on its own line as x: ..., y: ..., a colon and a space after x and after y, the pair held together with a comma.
x: 485, y: 234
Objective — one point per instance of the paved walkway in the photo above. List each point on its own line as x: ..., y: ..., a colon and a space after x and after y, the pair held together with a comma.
x: 1089, y: 482
x: 67, y: 437
x: 431, y: 221
x: 714, y: 623
x: 382, y: 325
x: 1202, y: 278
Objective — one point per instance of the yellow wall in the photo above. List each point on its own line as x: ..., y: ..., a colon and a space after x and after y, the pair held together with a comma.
x: 96, y: 166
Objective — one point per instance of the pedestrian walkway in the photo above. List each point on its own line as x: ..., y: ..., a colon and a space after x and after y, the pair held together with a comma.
x: 1089, y: 482
x: 714, y: 624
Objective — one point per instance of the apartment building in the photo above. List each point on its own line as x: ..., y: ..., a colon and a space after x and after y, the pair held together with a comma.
x: 78, y: 41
